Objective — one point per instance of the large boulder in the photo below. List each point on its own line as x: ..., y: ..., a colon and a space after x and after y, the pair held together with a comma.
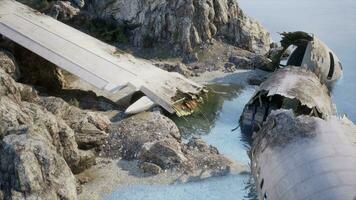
x: 90, y: 127
x: 154, y: 140
x: 16, y: 117
x: 31, y: 168
x: 184, y: 23
x: 128, y: 137
x: 166, y: 153
x: 38, y: 150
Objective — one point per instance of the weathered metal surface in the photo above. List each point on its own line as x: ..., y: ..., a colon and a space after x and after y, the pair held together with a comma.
x: 300, y: 158
x: 322, y: 61
x: 98, y: 63
x: 291, y: 87
x: 312, y: 53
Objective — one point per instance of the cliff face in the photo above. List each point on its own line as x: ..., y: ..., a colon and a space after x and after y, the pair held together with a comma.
x: 186, y: 24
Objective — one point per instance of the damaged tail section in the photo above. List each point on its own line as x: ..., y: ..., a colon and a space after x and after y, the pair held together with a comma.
x: 312, y: 53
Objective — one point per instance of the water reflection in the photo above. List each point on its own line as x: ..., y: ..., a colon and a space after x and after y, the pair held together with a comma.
x: 205, y: 118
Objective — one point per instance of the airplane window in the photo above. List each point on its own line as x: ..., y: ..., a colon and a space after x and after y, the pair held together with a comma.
x: 332, y: 66
x: 265, y: 197
x: 262, y: 182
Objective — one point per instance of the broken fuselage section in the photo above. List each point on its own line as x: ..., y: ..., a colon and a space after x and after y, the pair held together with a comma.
x: 293, y: 88
x: 312, y: 53
x: 303, y: 157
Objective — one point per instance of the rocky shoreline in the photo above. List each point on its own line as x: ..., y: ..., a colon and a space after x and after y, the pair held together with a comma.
x: 58, y: 141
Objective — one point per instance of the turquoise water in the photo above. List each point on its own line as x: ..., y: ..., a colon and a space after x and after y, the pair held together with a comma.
x: 334, y: 21
x: 214, y: 125
x: 221, y: 189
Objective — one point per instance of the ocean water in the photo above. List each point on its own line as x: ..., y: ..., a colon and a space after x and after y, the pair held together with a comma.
x: 334, y: 22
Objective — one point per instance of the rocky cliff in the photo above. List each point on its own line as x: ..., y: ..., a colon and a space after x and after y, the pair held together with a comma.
x: 185, y: 24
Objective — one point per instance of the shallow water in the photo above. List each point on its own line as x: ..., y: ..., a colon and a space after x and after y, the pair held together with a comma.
x: 214, y: 124
x: 221, y: 189
x: 334, y: 21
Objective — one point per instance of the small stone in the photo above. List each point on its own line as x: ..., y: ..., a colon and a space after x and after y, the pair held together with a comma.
x: 150, y: 168
x: 79, y: 3
x: 254, y: 81
x: 262, y: 62
x: 241, y: 62
x: 229, y: 67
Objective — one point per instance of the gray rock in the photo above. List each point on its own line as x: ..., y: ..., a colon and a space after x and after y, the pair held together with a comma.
x: 184, y: 23
x: 38, y: 151
x: 155, y: 139
x: 30, y: 165
x: 202, y: 156
x: 63, y: 10
x: 90, y: 127
x: 262, y: 62
x: 241, y: 62
x: 1, y: 195
x: 174, y: 67
x: 9, y: 65
x: 190, y: 57
x: 150, y: 168
x: 165, y: 153
x: 127, y: 137
x: 229, y: 67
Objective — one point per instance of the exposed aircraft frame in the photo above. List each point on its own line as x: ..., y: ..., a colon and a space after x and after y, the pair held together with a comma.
x: 291, y: 87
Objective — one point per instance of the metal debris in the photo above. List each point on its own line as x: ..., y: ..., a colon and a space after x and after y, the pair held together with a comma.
x: 296, y: 157
x: 312, y: 53
x: 293, y: 88
x: 96, y: 62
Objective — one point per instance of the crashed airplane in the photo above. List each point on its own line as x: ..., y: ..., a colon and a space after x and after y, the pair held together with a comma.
x: 312, y: 53
x: 292, y: 87
x: 304, y: 158
x: 299, y: 148
x: 100, y: 64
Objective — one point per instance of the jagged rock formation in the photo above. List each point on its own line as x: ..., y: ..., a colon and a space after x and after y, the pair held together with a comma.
x: 156, y: 142
x: 38, y: 149
x: 184, y: 23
